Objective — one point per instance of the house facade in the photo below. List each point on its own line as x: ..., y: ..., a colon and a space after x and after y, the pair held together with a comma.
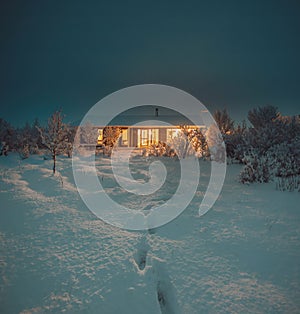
x: 142, y: 136
x: 146, y: 125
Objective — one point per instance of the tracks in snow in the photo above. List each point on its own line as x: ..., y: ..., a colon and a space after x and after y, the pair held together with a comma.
x: 165, y: 291
x: 166, y: 295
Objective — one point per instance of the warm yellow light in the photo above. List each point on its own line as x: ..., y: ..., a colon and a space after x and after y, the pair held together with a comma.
x: 100, y: 135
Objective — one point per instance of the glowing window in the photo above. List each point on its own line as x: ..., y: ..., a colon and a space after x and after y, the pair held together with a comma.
x: 100, y: 135
x: 171, y: 133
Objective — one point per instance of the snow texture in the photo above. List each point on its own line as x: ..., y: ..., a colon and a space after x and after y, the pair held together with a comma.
x: 56, y: 256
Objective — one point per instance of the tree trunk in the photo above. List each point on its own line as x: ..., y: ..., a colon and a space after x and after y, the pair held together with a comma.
x: 186, y: 145
x: 54, y: 163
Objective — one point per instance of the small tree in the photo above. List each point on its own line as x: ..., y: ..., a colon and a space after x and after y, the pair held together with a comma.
x: 110, y: 136
x: 37, y: 141
x: 23, y: 141
x: 236, y: 142
x: 215, y: 143
x: 54, y: 137
x: 70, y: 134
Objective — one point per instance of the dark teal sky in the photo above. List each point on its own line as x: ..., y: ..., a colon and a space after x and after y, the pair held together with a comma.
x: 70, y: 54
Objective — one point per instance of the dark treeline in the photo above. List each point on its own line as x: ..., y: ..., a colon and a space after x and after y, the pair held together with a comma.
x: 269, y: 148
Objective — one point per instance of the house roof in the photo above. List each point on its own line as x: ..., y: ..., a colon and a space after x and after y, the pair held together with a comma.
x: 149, y: 115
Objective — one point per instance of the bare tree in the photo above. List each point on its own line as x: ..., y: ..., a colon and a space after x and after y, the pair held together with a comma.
x: 54, y: 136
x: 224, y: 122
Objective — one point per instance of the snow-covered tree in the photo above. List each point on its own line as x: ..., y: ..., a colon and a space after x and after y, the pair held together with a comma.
x: 54, y: 136
x: 24, y: 152
x: 35, y: 135
x: 111, y: 135
x: 236, y: 142
x: 215, y: 143
x: 6, y: 137
x: 27, y: 138
x: 272, y: 150
x: 70, y: 135
x: 88, y: 134
x: 180, y: 144
x: 24, y: 140
x: 190, y: 141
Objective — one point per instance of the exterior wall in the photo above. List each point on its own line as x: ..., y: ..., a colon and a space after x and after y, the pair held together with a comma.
x: 163, y: 134
x: 135, y: 137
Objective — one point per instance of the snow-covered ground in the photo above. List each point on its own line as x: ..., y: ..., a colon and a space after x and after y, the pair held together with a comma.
x: 243, y: 256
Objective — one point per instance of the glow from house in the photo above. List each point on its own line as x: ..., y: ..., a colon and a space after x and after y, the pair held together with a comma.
x: 100, y: 136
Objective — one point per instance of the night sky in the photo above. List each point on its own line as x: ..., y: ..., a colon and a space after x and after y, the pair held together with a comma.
x: 70, y: 54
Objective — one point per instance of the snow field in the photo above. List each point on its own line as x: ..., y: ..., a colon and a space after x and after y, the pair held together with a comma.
x: 55, y: 256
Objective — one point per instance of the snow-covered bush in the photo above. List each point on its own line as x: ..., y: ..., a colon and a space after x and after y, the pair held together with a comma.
x: 285, y: 159
x: 24, y: 152
x: 158, y: 150
x: 187, y: 142
x: 215, y: 143
x: 272, y: 151
x: 88, y: 134
x: 291, y: 183
x: 190, y: 142
x: 255, y: 170
x: 180, y: 144
x: 285, y: 163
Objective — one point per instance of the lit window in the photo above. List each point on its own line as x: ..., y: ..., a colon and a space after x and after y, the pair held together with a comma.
x: 124, y: 135
x: 100, y: 135
x: 171, y: 133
